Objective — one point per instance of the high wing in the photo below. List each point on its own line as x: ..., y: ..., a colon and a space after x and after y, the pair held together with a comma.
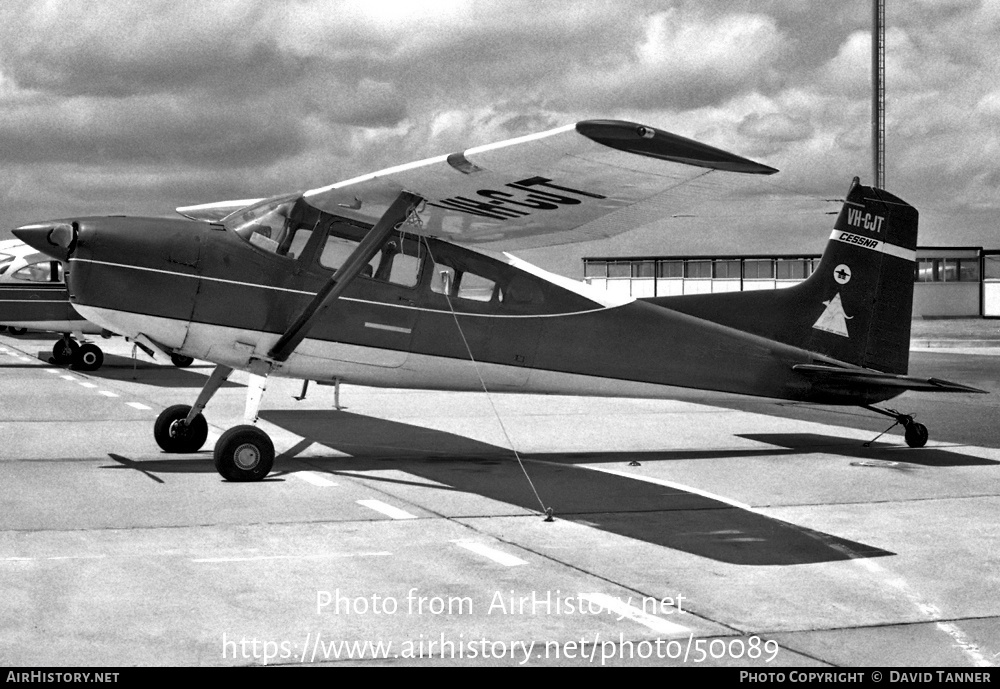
x: 589, y: 180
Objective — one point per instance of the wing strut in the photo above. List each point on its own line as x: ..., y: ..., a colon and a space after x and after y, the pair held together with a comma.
x: 397, y: 213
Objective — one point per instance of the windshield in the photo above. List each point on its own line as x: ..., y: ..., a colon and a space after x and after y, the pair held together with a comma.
x: 265, y: 224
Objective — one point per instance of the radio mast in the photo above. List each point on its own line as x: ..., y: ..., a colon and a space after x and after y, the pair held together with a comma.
x: 878, y: 93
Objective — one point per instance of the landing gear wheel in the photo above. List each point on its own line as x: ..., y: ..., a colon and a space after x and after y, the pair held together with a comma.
x: 916, y: 434
x: 181, y: 361
x: 88, y: 358
x: 17, y: 331
x: 64, y: 351
x: 244, y: 453
x: 173, y: 435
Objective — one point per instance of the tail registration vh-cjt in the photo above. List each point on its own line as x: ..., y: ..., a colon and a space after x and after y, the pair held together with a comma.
x: 371, y: 281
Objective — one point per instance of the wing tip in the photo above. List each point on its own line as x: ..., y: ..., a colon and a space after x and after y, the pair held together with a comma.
x: 656, y: 143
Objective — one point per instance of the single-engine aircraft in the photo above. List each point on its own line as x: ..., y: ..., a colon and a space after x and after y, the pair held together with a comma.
x: 370, y: 281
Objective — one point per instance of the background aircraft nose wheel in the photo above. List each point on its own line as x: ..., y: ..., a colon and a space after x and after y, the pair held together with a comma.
x: 88, y: 358
x: 181, y: 361
x: 64, y: 350
x: 244, y: 453
x: 173, y: 435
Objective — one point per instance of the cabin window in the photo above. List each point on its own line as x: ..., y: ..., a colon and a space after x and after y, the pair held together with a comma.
x: 337, y: 250
x: 461, y: 284
x: 475, y: 287
x: 442, y: 279
x: 400, y: 262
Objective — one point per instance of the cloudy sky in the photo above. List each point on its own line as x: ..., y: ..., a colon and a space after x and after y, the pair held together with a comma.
x: 138, y: 107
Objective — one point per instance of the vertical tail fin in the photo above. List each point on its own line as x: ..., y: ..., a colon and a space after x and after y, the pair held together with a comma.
x: 856, y: 306
x: 865, y: 280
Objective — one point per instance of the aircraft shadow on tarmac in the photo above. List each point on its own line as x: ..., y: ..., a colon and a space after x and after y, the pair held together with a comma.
x: 888, y: 455
x: 653, y: 513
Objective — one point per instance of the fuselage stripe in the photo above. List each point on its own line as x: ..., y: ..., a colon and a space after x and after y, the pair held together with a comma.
x: 350, y: 299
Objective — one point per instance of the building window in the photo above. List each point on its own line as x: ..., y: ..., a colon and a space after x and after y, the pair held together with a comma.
x: 595, y: 269
x: 669, y: 269
x: 991, y: 266
x: 698, y: 269
x: 620, y: 270
x: 643, y: 269
x: 727, y: 270
x: 947, y: 270
x: 791, y: 269
x: 758, y: 269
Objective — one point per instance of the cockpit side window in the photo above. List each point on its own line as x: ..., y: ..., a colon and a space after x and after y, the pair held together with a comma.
x: 267, y: 225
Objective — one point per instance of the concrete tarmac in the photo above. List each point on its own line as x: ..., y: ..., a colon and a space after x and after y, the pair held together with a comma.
x: 403, y: 530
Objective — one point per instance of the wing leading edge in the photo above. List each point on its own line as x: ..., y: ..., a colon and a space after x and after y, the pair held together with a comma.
x: 589, y: 180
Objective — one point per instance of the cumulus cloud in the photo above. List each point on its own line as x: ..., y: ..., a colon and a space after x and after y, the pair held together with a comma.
x: 143, y: 106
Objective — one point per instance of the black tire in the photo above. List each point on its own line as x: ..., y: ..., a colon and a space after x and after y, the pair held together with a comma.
x: 916, y: 434
x: 64, y: 351
x: 244, y: 453
x: 17, y: 331
x: 173, y: 436
x: 181, y: 361
x: 89, y: 357
x: 3, y: 328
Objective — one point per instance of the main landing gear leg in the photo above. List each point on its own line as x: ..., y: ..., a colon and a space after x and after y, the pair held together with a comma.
x: 914, y: 433
x: 181, y: 428
x: 246, y: 453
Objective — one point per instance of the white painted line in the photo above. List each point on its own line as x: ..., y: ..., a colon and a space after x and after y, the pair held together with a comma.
x: 3, y: 351
x: 626, y: 611
x: 139, y: 405
x: 52, y: 370
x: 259, y: 558
x: 493, y: 554
x: 69, y: 378
x: 107, y: 394
x: 24, y: 358
x: 88, y: 385
x: 313, y: 478
x: 385, y: 509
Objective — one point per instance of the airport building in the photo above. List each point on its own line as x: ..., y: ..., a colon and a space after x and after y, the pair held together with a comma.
x: 949, y: 281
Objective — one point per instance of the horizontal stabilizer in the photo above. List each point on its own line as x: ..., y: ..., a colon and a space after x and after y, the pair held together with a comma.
x: 866, y: 378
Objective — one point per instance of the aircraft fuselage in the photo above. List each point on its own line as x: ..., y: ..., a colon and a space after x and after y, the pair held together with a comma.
x: 206, y: 292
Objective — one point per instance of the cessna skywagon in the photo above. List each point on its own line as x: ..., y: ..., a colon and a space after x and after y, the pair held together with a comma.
x: 372, y: 281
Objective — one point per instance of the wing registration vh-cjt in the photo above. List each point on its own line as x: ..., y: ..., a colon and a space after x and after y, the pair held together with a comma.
x: 375, y: 281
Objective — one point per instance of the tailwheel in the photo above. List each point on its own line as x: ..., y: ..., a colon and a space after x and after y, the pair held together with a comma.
x: 173, y: 434
x: 244, y: 453
x: 916, y: 434
x: 89, y: 357
x: 64, y: 350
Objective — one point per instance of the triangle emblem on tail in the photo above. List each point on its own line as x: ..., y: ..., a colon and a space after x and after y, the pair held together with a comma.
x: 833, y: 319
